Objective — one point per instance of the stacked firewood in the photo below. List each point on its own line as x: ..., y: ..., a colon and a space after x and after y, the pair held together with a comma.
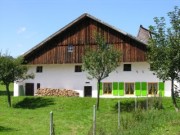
x: 56, y: 92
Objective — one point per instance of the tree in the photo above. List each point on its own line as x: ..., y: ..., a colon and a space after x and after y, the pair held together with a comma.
x: 164, y: 49
x: 100, y: 61
x: 11, y: 69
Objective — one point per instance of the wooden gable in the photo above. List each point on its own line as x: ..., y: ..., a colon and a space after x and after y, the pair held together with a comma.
x: 78, y: 34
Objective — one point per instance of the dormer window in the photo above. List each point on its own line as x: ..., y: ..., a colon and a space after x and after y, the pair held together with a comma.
x: 70, y: 48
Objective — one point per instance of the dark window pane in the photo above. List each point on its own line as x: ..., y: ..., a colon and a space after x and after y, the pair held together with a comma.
x: 78, y: 68
x: 129, y: 88
x: 152, y: 88
x: 70, y: 48
x: 39, y: 69
x: 107, y: 88
x: 38, y: 85
x: 127, y: 67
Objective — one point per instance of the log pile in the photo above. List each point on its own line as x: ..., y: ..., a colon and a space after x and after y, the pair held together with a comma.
x: 56, y: 92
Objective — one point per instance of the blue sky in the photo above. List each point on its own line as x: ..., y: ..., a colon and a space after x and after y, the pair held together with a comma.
x: 25, y: 23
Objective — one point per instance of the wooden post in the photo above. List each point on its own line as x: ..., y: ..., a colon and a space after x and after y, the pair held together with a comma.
x: 147, y: 102
x: 135, y: 100
x: 119, y: 111
x: 94, y: 119
x: 51, y: 123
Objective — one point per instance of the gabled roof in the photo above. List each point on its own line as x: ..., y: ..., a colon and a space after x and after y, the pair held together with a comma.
x: 77, y: 20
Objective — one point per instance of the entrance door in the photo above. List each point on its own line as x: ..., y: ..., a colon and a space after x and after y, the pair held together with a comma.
x: 88, y: 91
x: 29, y: 89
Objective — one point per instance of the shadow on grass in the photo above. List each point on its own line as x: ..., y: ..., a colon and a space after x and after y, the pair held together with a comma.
x: 34, y: 102
x: 4, y: 93
x: 129, y: 105
x: 5, y: 129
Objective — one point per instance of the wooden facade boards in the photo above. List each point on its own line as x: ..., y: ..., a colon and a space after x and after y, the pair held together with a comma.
x: 79, y: 34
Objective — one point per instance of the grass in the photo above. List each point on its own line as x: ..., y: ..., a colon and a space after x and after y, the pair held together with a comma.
x: 73, y: 116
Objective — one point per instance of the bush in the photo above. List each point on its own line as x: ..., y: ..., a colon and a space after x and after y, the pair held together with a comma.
x: 128, y: 105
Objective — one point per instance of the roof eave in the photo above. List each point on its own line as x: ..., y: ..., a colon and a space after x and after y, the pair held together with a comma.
x: 73, y: 22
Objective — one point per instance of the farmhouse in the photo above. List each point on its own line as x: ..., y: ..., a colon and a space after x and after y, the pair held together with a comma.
x: 57, y: 61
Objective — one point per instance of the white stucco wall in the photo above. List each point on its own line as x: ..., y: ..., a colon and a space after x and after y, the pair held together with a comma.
x: 63, y: 76
x: 16, y: 89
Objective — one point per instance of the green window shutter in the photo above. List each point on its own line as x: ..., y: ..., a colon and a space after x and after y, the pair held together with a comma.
x: 121, y: 88
x: 144, y: 88
x: 138, y: 88
x: 161, y: 88
x: 115, y: 88
x: 101, y: 90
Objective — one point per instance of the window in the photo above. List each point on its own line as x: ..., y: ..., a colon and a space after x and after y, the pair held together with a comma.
x: 78, y: 68
x: 38, y: 85
x: 39, y: 69
x: 129, y: 88
x: 70, y: 48
x: 107, y: 88
x: 151, y: 68
x: 152, y: 88
x: 127, y: 67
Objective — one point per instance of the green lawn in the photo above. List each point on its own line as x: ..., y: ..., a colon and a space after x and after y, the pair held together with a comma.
x: 73, y: 116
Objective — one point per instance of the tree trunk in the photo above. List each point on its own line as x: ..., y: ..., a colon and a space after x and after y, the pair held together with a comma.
x: 8, y: 95
x: 98, y: 92
x: 173, y: 96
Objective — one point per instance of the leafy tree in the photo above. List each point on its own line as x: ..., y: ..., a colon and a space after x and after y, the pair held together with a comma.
x: 100, y: 61
x: 11, y: 69
x: 164, y: 49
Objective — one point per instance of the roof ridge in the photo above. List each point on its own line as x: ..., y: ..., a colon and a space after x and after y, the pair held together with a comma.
x: 73, y: 22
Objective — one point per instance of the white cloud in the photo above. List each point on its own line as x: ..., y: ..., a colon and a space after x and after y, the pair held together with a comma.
x: 21, y: 30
